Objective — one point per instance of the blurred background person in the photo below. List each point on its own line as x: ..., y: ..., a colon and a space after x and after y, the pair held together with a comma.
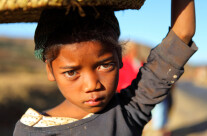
x: 130, y: 67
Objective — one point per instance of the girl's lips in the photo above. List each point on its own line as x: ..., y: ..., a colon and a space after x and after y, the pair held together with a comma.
x: 94, y: 102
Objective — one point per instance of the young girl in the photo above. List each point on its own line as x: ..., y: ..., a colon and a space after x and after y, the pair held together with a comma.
x: 83, y: 57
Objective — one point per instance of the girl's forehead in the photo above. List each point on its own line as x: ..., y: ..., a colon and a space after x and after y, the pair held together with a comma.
x: 87, y: 47
x: 84, y: 54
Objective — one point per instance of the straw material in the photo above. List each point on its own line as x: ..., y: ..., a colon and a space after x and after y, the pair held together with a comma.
x: 29, y: 10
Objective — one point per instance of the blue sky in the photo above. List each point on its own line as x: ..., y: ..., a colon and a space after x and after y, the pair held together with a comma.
x: 149, y: 25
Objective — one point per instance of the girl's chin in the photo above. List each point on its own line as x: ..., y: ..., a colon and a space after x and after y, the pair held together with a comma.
x: 95, y: 109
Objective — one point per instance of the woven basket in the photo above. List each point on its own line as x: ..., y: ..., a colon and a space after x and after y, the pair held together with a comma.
x: 12, y: 11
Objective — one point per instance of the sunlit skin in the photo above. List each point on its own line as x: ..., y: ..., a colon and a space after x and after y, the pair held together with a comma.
x: 87, y: 76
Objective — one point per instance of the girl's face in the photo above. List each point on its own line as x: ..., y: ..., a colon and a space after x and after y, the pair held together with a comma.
x: 86, y: 74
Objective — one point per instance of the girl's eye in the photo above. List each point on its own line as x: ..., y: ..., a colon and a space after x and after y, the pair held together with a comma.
x: 106, y: 67
x: 71, y: 73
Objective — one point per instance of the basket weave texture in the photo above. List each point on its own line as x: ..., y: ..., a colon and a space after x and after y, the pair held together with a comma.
x: 12, y: 11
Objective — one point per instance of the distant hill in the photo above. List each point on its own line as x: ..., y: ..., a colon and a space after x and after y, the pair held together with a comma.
x: 18, y: 55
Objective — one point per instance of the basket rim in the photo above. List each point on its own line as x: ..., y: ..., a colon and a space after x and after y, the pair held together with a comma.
x: 26, y: 12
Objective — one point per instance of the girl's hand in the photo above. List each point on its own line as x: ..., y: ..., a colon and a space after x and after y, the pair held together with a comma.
x: 183, y: 19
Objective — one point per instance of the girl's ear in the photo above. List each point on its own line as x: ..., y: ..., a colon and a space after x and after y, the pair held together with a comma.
x: 50, y: 75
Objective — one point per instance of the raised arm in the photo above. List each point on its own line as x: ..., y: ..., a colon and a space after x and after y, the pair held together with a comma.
x: 183, y: 19
x: 165, y: 64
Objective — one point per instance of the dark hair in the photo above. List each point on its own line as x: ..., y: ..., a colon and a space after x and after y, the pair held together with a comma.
x: 55, y: 28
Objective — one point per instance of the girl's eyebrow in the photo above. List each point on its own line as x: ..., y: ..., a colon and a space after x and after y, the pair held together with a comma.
x: 106, y: 59
x: 77, y: 67
x: 70, y: 67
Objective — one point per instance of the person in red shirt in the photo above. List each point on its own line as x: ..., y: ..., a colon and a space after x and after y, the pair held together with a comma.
x: 130, y: 67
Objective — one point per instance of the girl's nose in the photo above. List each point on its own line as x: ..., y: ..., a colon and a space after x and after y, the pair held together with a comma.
x: 91, y: 82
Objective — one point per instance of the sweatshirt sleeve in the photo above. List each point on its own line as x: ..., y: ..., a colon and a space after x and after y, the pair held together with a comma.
x: 20, y: 130
x: 163, y: 68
